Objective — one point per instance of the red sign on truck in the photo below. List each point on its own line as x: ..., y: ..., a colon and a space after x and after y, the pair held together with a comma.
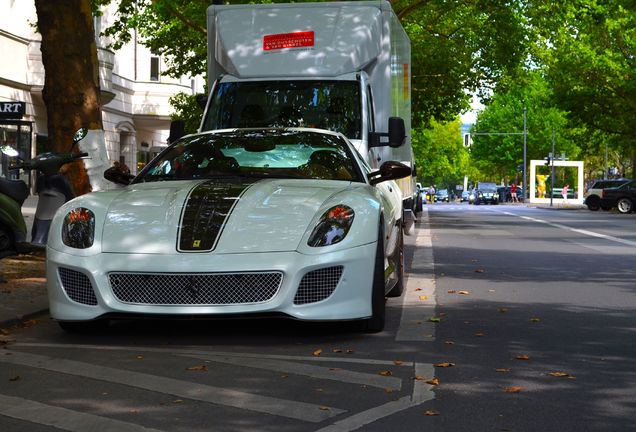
x: 288, y: 40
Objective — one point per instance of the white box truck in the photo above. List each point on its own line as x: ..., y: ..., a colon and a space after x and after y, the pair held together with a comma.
x: 342, y: 66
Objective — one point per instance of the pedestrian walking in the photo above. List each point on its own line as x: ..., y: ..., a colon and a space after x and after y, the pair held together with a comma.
x: 564, y: 193
x: 513, y: 193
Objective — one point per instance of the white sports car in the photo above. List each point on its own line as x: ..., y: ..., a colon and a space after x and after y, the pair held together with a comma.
x: 288, y: 222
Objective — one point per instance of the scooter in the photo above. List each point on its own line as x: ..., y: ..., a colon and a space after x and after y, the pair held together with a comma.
x: 53, y: 190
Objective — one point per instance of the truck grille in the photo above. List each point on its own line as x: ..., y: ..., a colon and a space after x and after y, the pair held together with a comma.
x: 77, y: 286
x: 195, y: 289
x: 317, y: 285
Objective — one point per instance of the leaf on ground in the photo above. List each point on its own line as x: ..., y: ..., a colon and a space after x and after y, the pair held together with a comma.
x: 317, y: 352
x: 464, y: 292
x: 444, y: 364
x: 398, y: 362
x: 535, y: 319
x: 423, y: 297
x: 418, y: 289
x: 492, y: 290
x: 433, y: 381
x: 449, y: 342
x: 522, y: 357
x: 324, y: 408
x: 434, y: 319
x: 431, y: 413
x: 479, y: 270
x: 480, y: 334
x: 4, y: 332
x: 385, y: 373
x: 15, y: 378
x: 140, y: 357
x: 198, y: 368
x: 514, y: 389
x: 177, y: 401
x: 419, y: 378
x: 503, y: 310
x: 452, y: 291
x: 336, y: 350
x: 503, y: 370
x: 350, y: 351
x: 559, y: 374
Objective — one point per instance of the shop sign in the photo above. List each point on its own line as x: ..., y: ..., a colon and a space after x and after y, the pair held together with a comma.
x: 12, y: 110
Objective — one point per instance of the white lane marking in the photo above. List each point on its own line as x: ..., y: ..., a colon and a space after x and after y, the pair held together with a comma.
x: 422, y: 392
x: 184, y: 389
x: 62, y: 418
x: 567, y: 228
x: 320, y: 372
x: 418, y: 300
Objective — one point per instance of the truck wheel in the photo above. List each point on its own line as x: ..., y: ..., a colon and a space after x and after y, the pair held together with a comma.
x: 398, y: 289
x: 624, y: 205
x: 375, y: 324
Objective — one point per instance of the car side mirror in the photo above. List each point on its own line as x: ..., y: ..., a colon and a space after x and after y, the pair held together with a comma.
x: 115, y: 175
x: 389, y: 170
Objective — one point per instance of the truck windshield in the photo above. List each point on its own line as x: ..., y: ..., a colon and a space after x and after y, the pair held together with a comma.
x: 331, y: 105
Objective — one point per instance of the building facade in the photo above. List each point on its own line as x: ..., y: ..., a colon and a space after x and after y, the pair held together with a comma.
x: 135, y: 108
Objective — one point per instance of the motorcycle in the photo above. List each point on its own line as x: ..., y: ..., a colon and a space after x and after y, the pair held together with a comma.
x: 53, y: 190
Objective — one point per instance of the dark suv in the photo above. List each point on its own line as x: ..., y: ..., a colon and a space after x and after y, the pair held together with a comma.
x: 486, y: 193
x: 622, y: 197
x: 593, y: 199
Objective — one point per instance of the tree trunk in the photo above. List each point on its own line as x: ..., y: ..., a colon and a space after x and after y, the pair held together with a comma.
x: 71, y: 83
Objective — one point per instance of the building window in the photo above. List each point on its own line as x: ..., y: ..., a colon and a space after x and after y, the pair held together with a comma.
x: 154, y: 68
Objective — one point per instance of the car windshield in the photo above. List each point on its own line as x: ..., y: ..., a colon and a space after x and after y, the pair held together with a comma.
x: 280, y: 153
x: 331, y: 105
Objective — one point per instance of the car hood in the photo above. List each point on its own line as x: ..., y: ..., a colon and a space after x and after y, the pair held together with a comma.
x: 214, y: 216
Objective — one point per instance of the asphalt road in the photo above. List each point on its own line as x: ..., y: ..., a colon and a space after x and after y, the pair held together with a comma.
x: 526, y: 318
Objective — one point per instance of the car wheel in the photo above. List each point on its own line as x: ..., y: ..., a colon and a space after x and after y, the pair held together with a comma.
x: 398, y: 289
x: 624, y: 205
x: 84, y: 327
x: 593, y: 203
x: 375, y: 324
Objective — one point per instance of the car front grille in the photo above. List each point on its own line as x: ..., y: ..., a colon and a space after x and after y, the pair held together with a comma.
x: 318, y: 284
x: 77, y: 286
x: 195, y: 289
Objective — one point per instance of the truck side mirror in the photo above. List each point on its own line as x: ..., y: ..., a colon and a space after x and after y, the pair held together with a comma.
x: 397, y: 131
x: 396, y: 134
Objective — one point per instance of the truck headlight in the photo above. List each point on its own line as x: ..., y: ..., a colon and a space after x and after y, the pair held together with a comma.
x: 332, y: 227
x: 78, y: 229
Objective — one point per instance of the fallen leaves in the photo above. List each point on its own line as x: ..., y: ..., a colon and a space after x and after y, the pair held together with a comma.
x: 503, y: 370
x: 522, y: 357
x: 423, y: 297
x: 15, y: 378
x: 434, y: 381
x: 503, y: 310
x: 385, y: 373
x: 317, y: 352
x: 197, y: 368
x: 431, y: 413
x: 514, y: 389
x: 444, y: 364
x: 560, y: 374
x: 463, y: 292
x: 480, y: 270
x: 398, y: 362
x: 535, y: 319
x: 480, y: 334
x: 434, y: 319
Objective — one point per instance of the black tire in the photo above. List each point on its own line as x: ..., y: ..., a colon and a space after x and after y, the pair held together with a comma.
x: 593, y: 202
x: 624, y: 205
x: 376, y: 323
x: 398, y: 288
x: 84, y: 327
x: 6, y: 241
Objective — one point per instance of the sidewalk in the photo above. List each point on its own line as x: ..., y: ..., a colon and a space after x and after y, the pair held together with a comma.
x: 23, y: 295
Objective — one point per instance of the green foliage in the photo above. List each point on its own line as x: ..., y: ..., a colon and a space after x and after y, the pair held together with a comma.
x: 187, y: 108
x: 498, y: 156
x: 440, y: 154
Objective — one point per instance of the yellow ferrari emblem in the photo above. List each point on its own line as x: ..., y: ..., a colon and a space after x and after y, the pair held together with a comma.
x: 196, y: 243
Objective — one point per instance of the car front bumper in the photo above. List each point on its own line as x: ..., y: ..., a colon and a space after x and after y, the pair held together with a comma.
x: 350, y: 299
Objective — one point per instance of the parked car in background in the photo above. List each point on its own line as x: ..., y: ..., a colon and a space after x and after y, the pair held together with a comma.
x: 471, y: 196
x: 505, y: 196
x: 622, y: 197
x: 486, y: 193
x: 465, y: 196
x: 593, y: 198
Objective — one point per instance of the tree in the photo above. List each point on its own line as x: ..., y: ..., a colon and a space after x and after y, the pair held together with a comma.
x: 590, y: 52
x: 498, y: 156
x: 71, y: 92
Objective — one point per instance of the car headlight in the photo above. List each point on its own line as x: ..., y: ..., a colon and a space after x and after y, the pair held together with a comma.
x: 332, y: 227
x: 78, y: 229
x: 495, y: 195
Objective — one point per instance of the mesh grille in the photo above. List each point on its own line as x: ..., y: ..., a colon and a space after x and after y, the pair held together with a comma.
x: 195, y: 289
x: 77, y: 286
x: 317, y: 285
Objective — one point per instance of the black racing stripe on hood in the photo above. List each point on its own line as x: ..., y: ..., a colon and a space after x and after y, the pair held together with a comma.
x: 207, y: 208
